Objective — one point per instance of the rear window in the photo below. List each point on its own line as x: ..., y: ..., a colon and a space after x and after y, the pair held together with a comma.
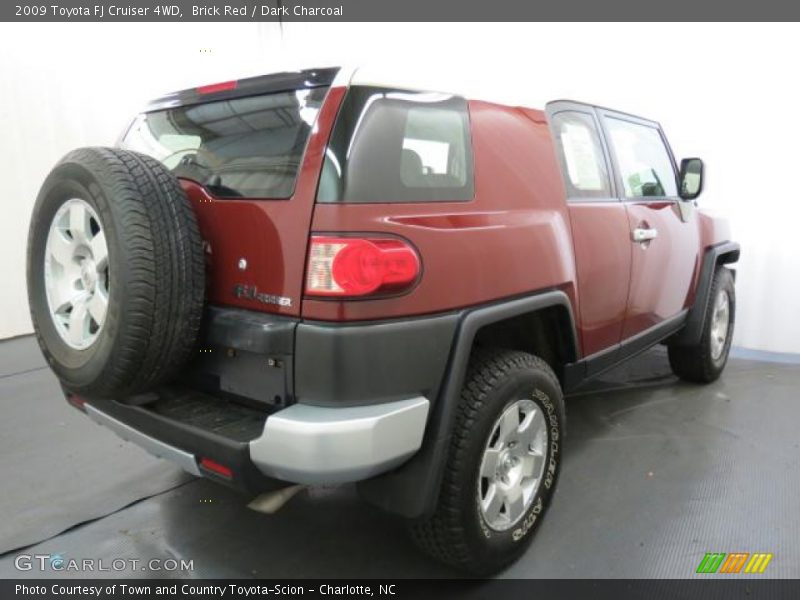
x: 242, y: 147
x: 398, y: 146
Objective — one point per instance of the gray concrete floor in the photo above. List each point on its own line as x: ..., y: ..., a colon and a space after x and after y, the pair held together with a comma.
x: 656, y: 473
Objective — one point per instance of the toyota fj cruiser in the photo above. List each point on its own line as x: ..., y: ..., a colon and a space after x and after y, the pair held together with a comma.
x: 304, y: 278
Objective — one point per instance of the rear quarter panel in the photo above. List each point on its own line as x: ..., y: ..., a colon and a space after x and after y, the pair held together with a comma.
x: 513, y: 238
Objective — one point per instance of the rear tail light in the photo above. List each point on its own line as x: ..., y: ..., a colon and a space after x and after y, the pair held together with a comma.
x: 344, y: 266
x: 215, y: 467
x: 213, y: 88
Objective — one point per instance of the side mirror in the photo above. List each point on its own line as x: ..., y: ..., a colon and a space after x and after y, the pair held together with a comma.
x: 690, y: 180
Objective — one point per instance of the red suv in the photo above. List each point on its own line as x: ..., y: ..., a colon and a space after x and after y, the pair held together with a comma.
x: 303, y: 278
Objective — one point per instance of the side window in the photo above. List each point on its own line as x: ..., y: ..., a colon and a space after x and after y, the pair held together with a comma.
x: 437, y: 137
x: 398, y: 146
x: 643, y: 160
x: 581, y: 155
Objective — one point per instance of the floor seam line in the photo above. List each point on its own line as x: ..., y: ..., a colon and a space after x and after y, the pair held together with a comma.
x: 92, y: 520
x: 6, y: 376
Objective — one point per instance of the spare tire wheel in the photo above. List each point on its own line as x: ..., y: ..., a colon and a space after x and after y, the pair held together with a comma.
x: 115, y: 272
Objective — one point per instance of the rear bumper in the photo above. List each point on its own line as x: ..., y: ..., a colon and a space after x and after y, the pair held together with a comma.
x: 299, y: 444
x: 157, y: 448
x: 274, y: 400
x: 315, y: 444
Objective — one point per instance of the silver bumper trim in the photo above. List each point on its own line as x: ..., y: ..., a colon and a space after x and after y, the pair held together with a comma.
x: 153, y: 446
x: 318, y: 445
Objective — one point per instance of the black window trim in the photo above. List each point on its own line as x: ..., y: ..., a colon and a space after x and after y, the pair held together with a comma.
x: 470, y: 151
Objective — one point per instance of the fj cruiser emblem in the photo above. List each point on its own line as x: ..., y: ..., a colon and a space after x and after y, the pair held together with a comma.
x: 251, y: 293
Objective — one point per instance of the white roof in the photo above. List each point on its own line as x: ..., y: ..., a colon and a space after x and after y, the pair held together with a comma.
x: 471, y: 81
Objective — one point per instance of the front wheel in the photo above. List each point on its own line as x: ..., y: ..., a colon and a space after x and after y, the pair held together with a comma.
x: 502, y: 465
x: 704, y: 362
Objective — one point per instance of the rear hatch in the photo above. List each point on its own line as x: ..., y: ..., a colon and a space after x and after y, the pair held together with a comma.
x: 248, y: 153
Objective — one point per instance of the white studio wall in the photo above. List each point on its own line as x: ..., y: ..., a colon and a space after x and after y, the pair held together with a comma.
x: 72, y: 85
x: 69, y: 85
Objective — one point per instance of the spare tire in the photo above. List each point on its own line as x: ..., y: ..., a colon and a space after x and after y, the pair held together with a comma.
x: 115, y: 272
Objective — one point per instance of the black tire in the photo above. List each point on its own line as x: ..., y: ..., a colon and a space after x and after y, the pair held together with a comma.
x: 155, y: 274
x: 457, y: 533
x: 696, y: 363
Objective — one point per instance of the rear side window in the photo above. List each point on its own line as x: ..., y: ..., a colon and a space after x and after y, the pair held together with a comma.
x: 248, y: 147
x: 398, y: 146
x: 581, y: 154
x: 644, y: 163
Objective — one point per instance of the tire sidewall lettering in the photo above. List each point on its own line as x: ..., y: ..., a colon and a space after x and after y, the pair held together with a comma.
x: 528, y: 522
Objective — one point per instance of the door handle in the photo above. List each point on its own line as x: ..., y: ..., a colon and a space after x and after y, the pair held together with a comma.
x: 644, y: 235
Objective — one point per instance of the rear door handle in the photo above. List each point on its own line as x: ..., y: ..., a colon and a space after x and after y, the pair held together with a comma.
x: 644, y: 235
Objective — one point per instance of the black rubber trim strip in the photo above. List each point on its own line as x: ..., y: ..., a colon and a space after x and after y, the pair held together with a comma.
x: 577, y: 373
x: 723, y: 253
x: 412, y: 490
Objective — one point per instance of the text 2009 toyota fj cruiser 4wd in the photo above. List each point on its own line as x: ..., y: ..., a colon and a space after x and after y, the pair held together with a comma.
x: 304, y: 279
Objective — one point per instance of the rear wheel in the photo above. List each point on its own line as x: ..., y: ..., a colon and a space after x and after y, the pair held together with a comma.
x: 502, y: 465
x: 704, y: 362
x: 115, y: 272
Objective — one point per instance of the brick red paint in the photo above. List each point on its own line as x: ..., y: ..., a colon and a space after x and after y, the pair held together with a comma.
x: 517, y: 236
